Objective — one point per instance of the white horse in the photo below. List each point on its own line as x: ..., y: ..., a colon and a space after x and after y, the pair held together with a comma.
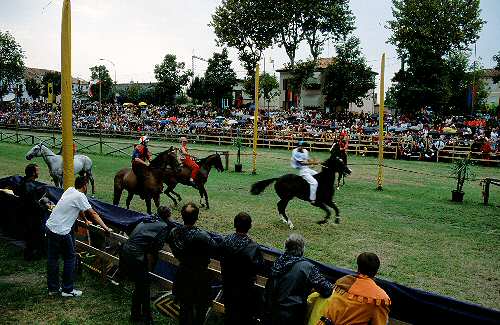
x: 55, y: 163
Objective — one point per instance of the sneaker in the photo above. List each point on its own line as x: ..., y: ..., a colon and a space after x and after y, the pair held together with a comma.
x: 74, y: 293
x: 55, y: 293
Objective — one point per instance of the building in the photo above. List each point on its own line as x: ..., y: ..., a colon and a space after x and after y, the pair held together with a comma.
x: 493, y: 88
x: 80, y: 87
x: 311, y: 96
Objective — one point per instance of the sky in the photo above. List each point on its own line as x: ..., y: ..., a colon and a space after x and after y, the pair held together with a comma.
x: 135, y: 35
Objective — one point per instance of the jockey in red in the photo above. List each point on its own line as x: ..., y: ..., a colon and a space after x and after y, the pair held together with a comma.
x: 187, y: 159
x: 141, y: 154
x: 343, y: 144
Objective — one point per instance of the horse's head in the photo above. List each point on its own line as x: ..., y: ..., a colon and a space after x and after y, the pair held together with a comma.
x: 217, y: 163
x: 336, y: 164
x: 36, y: 151
x: 165, y: 159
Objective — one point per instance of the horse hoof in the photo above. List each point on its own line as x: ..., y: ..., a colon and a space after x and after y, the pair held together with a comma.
x: 284, y: 220
x: 322, y: 222
x: 337, y: 220
x: 290, y: 224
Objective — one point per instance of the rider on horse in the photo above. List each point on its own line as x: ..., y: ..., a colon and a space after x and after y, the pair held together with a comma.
x: 300, y: 160
x: 343, y: 144
x: 188, y: 161
x: 141, y: 154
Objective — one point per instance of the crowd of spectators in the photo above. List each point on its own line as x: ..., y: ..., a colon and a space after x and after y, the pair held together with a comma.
x: 424, y: 134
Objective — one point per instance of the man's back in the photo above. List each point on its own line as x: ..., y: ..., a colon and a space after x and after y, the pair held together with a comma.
x: 292, y: 279
x: 147, y: 237
x: 358, y: 300
x: 240, y: 260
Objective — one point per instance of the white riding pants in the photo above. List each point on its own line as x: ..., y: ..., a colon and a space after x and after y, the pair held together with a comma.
x: 307, y: 174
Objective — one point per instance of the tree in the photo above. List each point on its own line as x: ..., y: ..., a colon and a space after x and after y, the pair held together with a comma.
x: 171, y: 78
x: 105, y: 83
x: 269, y: 87
x: 325, y: 20
x: 496, y: 57
x: 198, y: 90
x: 348, y: 79
x: 53, y: 77
x: 11, y: 62
x: 426, y: 33
x: 33, y: 88
x: 288, y: 22
x: 247, y: 26
x: 219, y: 77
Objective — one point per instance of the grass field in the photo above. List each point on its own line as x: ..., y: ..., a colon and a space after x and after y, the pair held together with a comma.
x: 423, y: 239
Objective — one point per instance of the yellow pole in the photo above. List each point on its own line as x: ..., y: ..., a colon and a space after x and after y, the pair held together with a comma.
x: 380, y: 177
x: 66, y: 102
x: 255, y: 120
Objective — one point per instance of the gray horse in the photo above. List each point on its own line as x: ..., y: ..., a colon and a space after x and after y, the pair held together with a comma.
x: 55, y: 163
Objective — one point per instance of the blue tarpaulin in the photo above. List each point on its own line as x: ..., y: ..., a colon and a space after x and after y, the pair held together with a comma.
x: 410, y: 305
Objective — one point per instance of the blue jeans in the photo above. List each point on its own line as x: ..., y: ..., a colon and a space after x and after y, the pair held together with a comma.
x: 63, y: 245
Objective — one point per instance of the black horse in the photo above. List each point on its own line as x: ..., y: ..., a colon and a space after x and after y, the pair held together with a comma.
x: 206, y: 164
x: 290, y: 186
x: 335, y: 150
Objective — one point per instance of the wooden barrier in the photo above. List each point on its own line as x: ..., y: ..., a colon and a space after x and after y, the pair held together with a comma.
x: 486, y: 188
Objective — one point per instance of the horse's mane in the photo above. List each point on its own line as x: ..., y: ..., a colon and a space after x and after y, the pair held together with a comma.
x: 156, y: 162
x: 203, y: 161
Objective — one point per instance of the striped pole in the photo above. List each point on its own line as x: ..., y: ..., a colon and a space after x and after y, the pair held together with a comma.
x: 380, y: 177
x: 66, y: 100
x: 255, y: 120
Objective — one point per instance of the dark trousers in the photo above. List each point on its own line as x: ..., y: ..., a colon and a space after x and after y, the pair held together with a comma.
x: 138, y: 272
x: 192, y: 314
x: 60, y: 245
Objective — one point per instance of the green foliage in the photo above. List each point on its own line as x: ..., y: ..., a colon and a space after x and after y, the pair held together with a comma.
x: 287, y: 21
x: 171, y: 78
x: 198, y: 90
x: 427, y: 34
x: 101, y: 73
x: 55, y: 78
x: 496, y: 58
x: 462, y: 171
x: 33, y: 88
x: 269, y: 87
x: 324, y: 20
x: 11, y: 62
x: 219, y: 77
x: 301, y: 73
x: 348, y: 79
x: 247, y: 26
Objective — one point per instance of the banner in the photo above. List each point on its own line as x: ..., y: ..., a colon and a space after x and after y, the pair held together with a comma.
x: 50, y: 93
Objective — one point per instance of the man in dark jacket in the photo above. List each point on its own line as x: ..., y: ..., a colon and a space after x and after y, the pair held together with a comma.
x: 193, y: 248
x: 27, y: 192
x: 241, y: 259
x: 139, y: 255
x: 291, y: 280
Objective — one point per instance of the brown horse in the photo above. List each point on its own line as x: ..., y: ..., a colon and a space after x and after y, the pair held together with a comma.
x: 206, y: 164
x: 160, y: 167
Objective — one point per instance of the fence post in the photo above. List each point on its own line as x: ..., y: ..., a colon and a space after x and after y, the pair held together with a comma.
x: 32, y: 139
x: 226, y: 153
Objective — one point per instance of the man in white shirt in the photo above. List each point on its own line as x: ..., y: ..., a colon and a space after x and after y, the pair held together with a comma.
x: 60, y: 240
x: 300, y: 160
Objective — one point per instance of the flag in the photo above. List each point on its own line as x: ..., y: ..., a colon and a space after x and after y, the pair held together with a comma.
x: 50, y: 93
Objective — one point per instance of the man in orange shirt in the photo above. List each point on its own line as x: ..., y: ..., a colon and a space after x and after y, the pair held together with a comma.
x: 357, y: 299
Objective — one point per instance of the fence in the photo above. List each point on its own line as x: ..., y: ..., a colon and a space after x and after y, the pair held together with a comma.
x: 359, y: 144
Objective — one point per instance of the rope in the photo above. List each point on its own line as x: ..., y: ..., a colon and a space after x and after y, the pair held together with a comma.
x: 426, y: 174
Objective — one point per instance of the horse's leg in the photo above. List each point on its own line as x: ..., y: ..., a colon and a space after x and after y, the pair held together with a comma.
x: 91, y: 179
x: 206, y: 195
x: 323, y: 207
x: 203, y: 194
x: 332, y: 205
x: 117, y: 194
x: 176, y: 194
x: 148, y: 204
x: 282, y: 211
x: 156, y: 199
x: 129, y: 199
x: 170, y: 189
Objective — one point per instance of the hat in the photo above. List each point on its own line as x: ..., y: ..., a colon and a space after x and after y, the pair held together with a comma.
x: 144, y: 139
x: 302, y: 143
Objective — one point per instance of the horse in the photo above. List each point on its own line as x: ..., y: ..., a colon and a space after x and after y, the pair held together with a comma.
x: 201, y: 178
x: 290, y: 186
x: 335, y: 150
x: 82, y: 164
x: 161, y: 166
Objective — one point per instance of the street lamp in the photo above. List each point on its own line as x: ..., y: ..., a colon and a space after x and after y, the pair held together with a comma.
x: 114, y: 67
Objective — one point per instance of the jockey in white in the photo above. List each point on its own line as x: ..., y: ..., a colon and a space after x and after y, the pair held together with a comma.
x: 300, y: 160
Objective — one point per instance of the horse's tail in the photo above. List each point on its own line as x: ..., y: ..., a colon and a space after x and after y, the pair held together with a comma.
x: 258, y: 187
